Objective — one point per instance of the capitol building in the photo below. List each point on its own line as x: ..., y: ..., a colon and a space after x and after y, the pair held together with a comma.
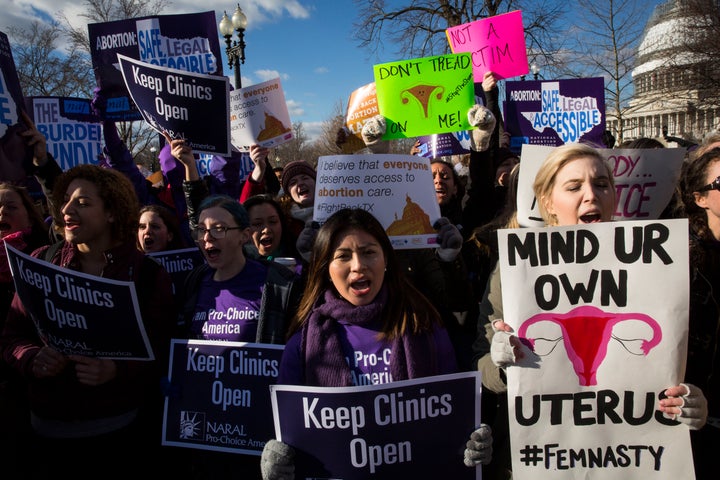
x: 672, y: 94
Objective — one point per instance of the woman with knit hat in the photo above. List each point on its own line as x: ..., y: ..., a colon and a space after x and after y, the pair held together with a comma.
x: 298, y: 198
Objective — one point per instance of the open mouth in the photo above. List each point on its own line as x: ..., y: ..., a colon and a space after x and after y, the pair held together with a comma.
x: 360, y: 287
x: 212, y: 253
x: 266, y: 242
x: 590, y: 218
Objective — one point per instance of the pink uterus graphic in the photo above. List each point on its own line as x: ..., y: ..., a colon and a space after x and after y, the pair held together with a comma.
x: 586, y: 333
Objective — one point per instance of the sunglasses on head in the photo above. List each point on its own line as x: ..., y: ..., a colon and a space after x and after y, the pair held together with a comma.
x: 714, y: 185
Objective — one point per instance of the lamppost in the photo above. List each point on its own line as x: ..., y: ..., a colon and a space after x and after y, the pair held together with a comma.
x: 235, y: 48
x: 535, y: 70
x: 153, y: 161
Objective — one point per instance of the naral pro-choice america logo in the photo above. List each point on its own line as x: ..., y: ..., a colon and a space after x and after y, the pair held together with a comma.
x: 569, y: 117
x: 192, y: 425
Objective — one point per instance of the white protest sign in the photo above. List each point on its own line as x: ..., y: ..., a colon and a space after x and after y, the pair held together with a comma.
x: 602, y: 311
x: 397, y: 189
x: 259, y: 115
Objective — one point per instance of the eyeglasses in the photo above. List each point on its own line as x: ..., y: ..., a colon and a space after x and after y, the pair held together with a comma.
x: 217, y: 232
x: 715, y: 185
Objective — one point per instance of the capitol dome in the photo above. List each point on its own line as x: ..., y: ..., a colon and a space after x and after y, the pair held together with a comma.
x: 668, y: 98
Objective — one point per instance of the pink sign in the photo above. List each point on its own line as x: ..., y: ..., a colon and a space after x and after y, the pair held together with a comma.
x: 496, y: 44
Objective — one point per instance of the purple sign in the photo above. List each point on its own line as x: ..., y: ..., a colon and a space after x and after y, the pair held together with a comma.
x: 179, y: 264
x: 187, y: 42
x: 444, y: 144
x: 185, y: 105
x: 102, y: 320
x: 12, y: 146
x: 408, y: 429
x: 555, y: 112
x: 223, y: 399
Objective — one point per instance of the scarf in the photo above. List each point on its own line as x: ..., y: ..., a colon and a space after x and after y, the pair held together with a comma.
x: 301, y: 213
x: 17, y: 240
x: 413, y: 356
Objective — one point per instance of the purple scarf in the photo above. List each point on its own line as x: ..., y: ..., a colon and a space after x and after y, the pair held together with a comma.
x: 413, y: 356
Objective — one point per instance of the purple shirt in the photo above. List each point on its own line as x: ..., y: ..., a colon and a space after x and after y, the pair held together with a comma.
x: 229, y: 310
x: 368, y: 357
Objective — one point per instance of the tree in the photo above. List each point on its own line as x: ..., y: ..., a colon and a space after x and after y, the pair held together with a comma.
x: 417, y: 28
x: 138, y: 136
x: 42, y: 69
x: 606, y: 40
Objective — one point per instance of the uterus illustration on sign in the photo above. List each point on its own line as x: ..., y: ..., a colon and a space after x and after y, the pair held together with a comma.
x: 586, y: 333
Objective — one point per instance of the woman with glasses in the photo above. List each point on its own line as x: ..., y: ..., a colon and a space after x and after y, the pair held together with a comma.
x: 700, y: 186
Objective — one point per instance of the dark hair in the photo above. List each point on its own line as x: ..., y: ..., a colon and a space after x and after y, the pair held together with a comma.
x: 115, y: 190
x: 692, y: 180
x: 287, y: 241
x: 407, y: 310
x: 172, y: 223
x: 228, y: 203
x: 36, y: 218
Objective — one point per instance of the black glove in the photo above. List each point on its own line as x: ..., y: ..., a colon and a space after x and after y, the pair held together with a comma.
x: 306, y: 240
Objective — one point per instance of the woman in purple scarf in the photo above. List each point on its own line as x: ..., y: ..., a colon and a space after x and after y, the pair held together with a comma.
x: 357, y: 304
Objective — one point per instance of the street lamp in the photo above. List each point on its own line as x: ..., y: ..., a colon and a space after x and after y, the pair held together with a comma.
x: 535, y: 70
x: 235, y: 48
x: 153, y: 159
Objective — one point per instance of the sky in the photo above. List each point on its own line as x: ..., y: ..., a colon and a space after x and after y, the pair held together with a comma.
x: 308, y: 44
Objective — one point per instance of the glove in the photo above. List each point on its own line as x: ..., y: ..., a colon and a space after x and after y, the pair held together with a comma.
x: 479, y: 448
x: 503, y: 349
x: 694, y: 409
x: 306, y: 240
x: 484, y: 122
x: 449, y: 239
x: 372, y: 133
x: 277, y: 461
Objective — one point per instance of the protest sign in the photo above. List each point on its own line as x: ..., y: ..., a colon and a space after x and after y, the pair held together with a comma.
x: 80, y: 314
x: 362, y: 105
x: 496, y: 43
x: 555, y: 112
x: 73, y: 132
x: 602, y: 313
x: 222, y: 399
x: 12, y: 146
x: 444, y: 144
x: 406, y: 429
x: 259, y: 115
x: 179, y: 263
x: 187, y: 42
x: 645, y: 180
x: 397, y: 189
x: 426, y: 95
x: 178, y: 103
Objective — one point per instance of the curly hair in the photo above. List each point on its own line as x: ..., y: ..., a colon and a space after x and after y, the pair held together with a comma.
x: 115, y: 190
